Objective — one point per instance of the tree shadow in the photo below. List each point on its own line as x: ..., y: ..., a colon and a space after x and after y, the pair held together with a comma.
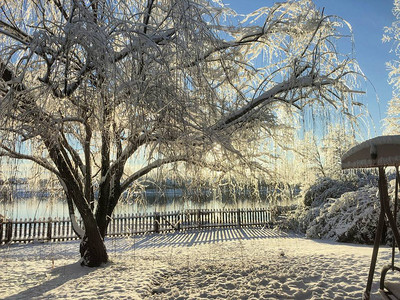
x: 61, y: 275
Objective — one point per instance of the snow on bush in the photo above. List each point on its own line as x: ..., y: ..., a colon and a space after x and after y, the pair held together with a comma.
x: 351, y: 218
x: 314, y: 197
x: 327, y: 188
x: 298, y: 219
x: 345, y: 211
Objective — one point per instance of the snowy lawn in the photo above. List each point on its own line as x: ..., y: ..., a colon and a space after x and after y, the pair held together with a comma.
x: 245, y: 263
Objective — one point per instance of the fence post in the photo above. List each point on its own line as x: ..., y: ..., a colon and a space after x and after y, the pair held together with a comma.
x: 178, y: 223
x: 199, y: 218
x: 1, y: 230
x: 8, y: 231
x: 49, y: 229
x: 156, y: 224
x: 239, y: 222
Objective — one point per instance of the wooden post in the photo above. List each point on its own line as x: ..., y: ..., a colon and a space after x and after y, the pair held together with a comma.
x: 156, y: 224
x: 59, y: 229
x: 43, y: 232
x: 30, y: 229
x: 49, y: 229
x: 263, y: 220
x: 198, y: 218
x: 8, y: 231
x: 25, y: 229
x: 63, y: 228
x: 1, y: 230
x: 238, y: 218
x: 178, y: 222
x: 136, y: 230
x: 20, y: 229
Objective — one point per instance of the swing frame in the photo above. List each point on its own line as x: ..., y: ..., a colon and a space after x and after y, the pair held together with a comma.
x: 380, y: 152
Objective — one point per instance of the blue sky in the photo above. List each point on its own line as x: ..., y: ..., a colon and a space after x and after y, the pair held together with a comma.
x: 368, y: 19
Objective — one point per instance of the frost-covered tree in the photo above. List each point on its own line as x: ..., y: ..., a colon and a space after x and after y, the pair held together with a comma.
x: 335, y: 143
x: 391, y: 122
x: 100, y: 93
x: 318, y: 157
x: 310, y: 159
x: 392, y: 34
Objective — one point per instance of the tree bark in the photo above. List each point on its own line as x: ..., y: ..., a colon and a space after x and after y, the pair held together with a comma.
x: 92, y: 248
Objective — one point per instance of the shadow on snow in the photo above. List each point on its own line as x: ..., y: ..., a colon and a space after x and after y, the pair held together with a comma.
x: 191, y: 238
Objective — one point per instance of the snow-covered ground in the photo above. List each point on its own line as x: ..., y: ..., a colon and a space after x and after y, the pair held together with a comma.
x: 247, y: 263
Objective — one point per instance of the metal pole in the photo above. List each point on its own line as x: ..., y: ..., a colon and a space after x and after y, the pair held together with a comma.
x: 378, y: 235
x: 396, y: 197
x: 384, y: 198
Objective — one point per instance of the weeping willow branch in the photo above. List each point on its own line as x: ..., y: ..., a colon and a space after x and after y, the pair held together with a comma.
x: 8, y: 152
x: 154, y: 165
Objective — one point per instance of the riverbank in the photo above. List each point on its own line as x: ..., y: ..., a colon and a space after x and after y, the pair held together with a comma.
x: 246, y: 263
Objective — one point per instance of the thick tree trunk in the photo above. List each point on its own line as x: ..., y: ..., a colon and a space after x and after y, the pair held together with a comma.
x: 102, y: 223
x: 92, y: 248
x: 106, y: 206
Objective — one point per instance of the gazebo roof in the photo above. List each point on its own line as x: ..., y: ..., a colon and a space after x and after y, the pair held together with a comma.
x: 376, y: 152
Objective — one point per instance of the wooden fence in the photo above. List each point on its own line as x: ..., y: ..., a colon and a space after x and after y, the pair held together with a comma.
x: 24, y: 231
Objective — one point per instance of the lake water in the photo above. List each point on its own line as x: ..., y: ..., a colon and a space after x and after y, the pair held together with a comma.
x: 170, y: 200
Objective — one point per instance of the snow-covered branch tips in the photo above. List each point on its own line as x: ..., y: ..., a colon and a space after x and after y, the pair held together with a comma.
x: 102, y: 93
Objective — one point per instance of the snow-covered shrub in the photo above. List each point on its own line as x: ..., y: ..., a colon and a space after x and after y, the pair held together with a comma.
x: 326, y: 188
x: 365, y: 177
x: 344, y: 211
x: 299, y: 219
x: 322, y: 193
x: 351, y: 218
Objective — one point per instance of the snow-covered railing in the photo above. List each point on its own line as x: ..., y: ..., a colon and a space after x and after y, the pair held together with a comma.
x: 24, y: 231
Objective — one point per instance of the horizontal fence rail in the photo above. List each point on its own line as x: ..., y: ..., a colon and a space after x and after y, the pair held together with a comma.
x: 24, y: 231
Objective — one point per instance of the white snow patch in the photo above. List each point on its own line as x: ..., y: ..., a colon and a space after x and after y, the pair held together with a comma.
x: 232, y: 263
